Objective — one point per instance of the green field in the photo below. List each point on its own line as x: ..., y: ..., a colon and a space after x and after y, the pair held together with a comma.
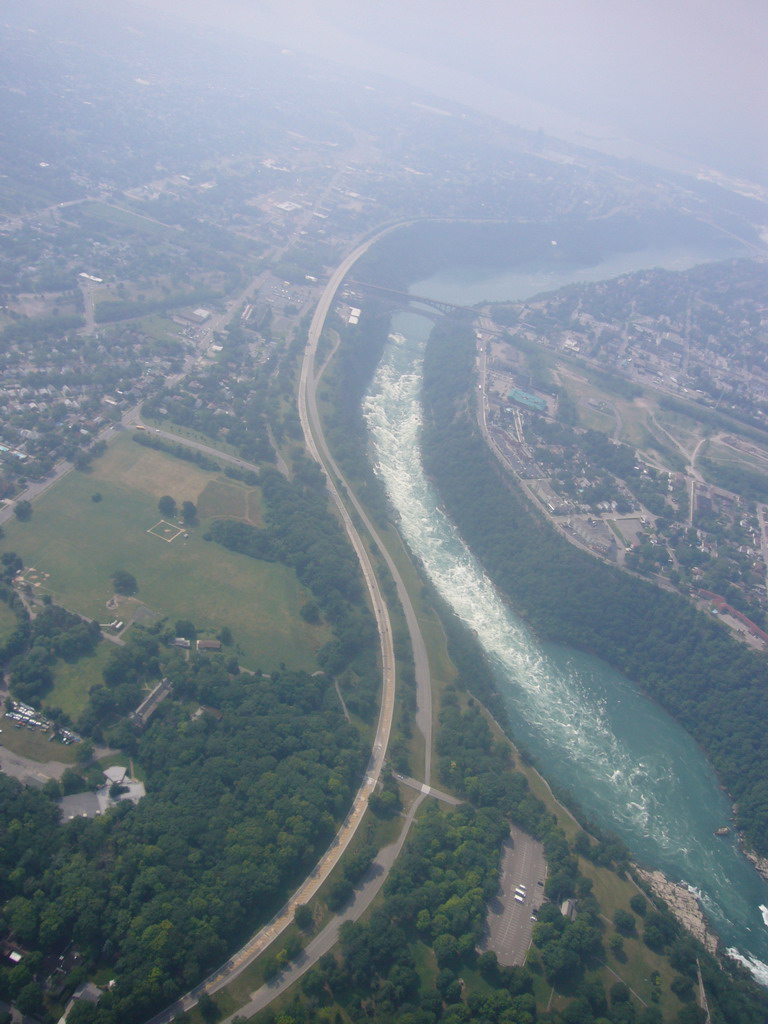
x: 160, y: 327
x: 754, y: 458
x: 8, y: 622
x: 34, y: 744
x: 107, y: 217
x: 79, y: 543
x: 73, y: 680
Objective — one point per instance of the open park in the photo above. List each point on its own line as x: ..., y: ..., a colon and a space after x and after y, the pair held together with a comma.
x: 92, y: 524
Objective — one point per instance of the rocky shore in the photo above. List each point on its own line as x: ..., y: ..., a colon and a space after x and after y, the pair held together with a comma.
x: 683, y: 904
x: 761, y: 863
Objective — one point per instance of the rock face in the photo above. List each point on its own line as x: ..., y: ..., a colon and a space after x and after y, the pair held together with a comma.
x: 683, y: 904
x: 761, y: 863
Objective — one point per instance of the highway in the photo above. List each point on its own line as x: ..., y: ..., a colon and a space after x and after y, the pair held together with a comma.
x: 324, y: 941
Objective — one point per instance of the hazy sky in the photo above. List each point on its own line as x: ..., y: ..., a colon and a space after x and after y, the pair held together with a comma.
x: 690, y: 75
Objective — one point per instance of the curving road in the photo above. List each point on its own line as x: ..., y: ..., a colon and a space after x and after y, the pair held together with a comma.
x: 316, y: 444
x: 318, y: 449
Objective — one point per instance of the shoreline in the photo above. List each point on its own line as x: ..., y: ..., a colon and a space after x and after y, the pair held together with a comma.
x: 760, y: 863
x: 683, y: 903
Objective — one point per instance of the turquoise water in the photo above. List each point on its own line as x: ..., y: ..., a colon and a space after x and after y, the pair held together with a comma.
x: 631, y: 767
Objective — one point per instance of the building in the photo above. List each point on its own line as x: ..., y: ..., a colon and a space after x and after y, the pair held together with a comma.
x: 527, y: 400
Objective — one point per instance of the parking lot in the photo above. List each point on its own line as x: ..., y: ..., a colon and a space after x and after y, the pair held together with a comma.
x: 510, y: 920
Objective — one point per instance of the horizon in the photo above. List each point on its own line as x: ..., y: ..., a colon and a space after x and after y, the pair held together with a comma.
x: 599, y: 73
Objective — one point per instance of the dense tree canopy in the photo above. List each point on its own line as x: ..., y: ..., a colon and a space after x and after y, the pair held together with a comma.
x: 240, y: 799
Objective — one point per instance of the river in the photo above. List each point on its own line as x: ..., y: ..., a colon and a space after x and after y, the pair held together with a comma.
x: 630, y: 766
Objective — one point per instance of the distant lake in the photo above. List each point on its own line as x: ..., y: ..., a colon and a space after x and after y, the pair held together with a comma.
x: 466, y: 286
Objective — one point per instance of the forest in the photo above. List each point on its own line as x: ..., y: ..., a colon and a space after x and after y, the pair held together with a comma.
x: 247, y: 778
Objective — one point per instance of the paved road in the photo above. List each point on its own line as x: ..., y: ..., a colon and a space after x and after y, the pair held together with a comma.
x: 422, y: 787
x: 27, y: 771
x: 509, y: 924
x: 325, y: 941
x: 312, y: 426
x: 36, y: 488
x: 317, y: 447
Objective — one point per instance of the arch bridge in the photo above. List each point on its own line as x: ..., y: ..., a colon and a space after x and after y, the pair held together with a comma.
x: 407, y: 299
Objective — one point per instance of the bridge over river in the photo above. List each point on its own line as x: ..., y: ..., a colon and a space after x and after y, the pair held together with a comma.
x: 406, y: 300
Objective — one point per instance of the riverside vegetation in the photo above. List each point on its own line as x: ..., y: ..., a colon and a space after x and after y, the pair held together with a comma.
x: 415, y: 958
x: 247, y: 776
x: 714, y: 686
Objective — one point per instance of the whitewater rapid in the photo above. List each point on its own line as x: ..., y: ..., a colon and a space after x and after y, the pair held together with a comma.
x: 627, y: 763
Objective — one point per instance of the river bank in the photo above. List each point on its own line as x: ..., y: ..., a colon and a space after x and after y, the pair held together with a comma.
x: 760, y: 863
x: 683, y: 903
x: 626, y: 762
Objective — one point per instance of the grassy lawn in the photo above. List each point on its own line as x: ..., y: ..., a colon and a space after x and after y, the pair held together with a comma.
x: 80, y: 543
x: 73, y: 680
x: 595, y: 419
x: 101, y: 215
x: 615, y: 893
x: 725, y: 455
x: 633, y: 412
x: 633, y: 421
x: 160, y: 327
x: 224, y: 499
x: 169, y: 427
x: 686, y: 429
x: 34, y: 745
x: 8, y: 622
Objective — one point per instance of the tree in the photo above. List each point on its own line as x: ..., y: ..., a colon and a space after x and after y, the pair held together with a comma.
x: 619, y: 993
x: 83, y: 1013
x: 488, y: 966
x: 339, y: 893
x: 209, y: 1011
x: 638, y: 904
x: 310, y: 612
x: 12, y: 564
x: 303, y: 917
x: 445, y: 948
x: 167, y: 506
x: 683, y: 988
x: 186, y: 628
x: 96, y: 498
x: 30, y: 999
x: 23, y: 510
x: 124, y: 582
x: 188, y: 512
x: 624, y: 922
x: 84, y: 752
